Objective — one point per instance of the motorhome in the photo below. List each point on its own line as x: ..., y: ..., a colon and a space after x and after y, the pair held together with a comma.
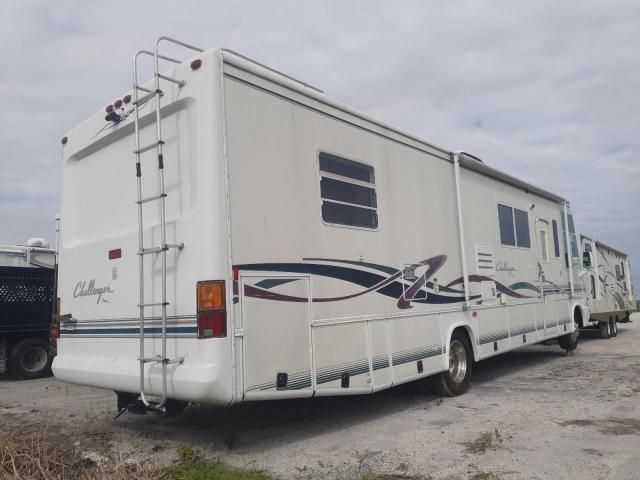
x: 230, y: 233
x: 27, y: 299
x: 609, y: 286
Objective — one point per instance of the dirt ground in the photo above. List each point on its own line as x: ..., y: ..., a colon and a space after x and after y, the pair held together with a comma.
x: 531, y: 414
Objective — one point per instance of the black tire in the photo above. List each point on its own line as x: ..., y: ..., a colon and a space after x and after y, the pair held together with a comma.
x: 569, y: 342
x: 457, y: 379
x: 604, y: 330
x: 613, y: 327
x: 30, y: 359
x: 174, y: 408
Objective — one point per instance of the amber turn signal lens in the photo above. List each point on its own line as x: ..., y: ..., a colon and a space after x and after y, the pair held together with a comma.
x: 211, y: 295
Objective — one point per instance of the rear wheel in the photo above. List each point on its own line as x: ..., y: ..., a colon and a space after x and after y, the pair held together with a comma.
x: 613, y: 327
x: 457, y: 379
x: 604, y: 330
x: 30, y: 359
x: 173, y: 408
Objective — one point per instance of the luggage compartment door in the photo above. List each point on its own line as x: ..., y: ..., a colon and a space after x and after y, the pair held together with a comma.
x: 277, y: 358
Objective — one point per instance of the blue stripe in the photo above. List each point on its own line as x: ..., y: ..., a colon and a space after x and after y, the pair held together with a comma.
x: 127, y: 331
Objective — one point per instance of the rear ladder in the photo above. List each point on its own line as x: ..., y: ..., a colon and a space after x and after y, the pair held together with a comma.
x: 138, y: 101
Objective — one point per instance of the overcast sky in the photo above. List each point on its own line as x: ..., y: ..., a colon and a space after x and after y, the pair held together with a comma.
x: 544, y: 90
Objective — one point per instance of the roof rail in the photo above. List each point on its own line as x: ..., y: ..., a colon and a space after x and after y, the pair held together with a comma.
x: 272, y: 70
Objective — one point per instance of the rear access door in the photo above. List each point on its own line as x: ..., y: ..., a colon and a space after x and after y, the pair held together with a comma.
x: 276, y: 330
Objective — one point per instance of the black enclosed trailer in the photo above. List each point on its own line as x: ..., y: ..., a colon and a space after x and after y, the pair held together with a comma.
x: 27, y: 301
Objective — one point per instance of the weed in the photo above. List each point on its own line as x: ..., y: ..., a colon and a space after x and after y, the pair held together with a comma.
x: 484, y: 476
x: 192, y: 465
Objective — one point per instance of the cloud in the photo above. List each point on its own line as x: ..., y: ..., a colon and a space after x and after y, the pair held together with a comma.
x: 543, y: 90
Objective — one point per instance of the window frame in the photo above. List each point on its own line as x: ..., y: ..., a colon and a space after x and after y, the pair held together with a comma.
x: 513, y: 220
x: 333, y: 176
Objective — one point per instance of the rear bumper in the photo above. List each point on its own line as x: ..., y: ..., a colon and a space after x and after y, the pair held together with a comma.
x: 189, y: 381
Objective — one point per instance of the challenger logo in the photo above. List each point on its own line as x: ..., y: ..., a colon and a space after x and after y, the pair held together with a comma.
x: 84, y: 289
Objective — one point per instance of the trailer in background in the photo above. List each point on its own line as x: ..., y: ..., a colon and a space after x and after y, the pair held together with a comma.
x: 27, y: 299
x: 607, y: 279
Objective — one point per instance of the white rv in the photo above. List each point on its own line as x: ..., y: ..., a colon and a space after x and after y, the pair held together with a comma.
x: 234, y: 234
x: 607, y: 280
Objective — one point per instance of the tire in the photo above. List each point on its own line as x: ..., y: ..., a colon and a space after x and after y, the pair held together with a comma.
x: 604, y: 330
x: 457, y: 379
x: 613, y: 327
x: 174, y: 408
x: 569, y: 342
x: 30, y: 359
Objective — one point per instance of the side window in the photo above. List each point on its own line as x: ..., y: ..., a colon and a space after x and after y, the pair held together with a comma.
x: 622, y: 269
x: 556, y: 244
x: 522, y: 228
x: 514, y: 227
x: 593, y: 286
x: 618, y: 276
x: 572, y: 237
x: 544, y: 247
x: 505, y: 219
x: 348, y: 192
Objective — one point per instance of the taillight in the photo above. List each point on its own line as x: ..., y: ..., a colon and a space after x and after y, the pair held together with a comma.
x: 212, y: 315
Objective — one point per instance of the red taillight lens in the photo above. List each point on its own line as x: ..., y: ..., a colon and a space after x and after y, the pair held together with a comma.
x: 126, y: 98
x: 212, y: 323
x: 212, y: 315
x: 196, y: 64
x: 117, y: 103
x: 109, y: 108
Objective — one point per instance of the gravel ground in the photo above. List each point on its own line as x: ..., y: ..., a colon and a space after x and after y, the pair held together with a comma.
x: 531, y: 414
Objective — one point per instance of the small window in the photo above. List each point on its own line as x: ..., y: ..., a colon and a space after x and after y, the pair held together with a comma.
x: 618, y: 276
x: 544, y: 248
x: 348, y: 192
x: 593, y: 286
x: 522, y: 228
x: 556, y: 243
x: 622, y: 269
x: 514, y: 227
x: 505, y: 218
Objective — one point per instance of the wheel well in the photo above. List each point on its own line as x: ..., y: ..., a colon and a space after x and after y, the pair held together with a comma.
x: 466, y: 331
x: 577, y: 317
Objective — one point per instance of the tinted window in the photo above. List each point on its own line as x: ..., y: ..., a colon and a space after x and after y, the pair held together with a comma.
x: 348, y: 215
x: 348, y: 192
x: 346, y: 168
x: 505, y: 219
x: 522, y: 228
x: 556, y: 244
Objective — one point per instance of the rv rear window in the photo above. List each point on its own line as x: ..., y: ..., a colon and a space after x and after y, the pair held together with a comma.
x: 514, y: 227
x: 348, y: 192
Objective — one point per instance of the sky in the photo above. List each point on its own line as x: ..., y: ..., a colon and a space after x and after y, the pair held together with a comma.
x: 543, y: 90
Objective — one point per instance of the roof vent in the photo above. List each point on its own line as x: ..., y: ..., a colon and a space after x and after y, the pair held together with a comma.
x: 38, y: 242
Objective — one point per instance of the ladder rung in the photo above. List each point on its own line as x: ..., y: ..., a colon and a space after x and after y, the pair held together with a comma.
x: 180, y: 83
x: 144, y: 89
x: 147, y: 251
x: 151, y: 199
x: 149, y: 147
x: 148, y: 96
x: 167, y: 246
x: 157, y: 304
x: 159, y: 359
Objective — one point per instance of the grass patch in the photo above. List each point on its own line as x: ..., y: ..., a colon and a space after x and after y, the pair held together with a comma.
x: 484, y: 442
x: 192, y: 465
x: 30, y: 451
